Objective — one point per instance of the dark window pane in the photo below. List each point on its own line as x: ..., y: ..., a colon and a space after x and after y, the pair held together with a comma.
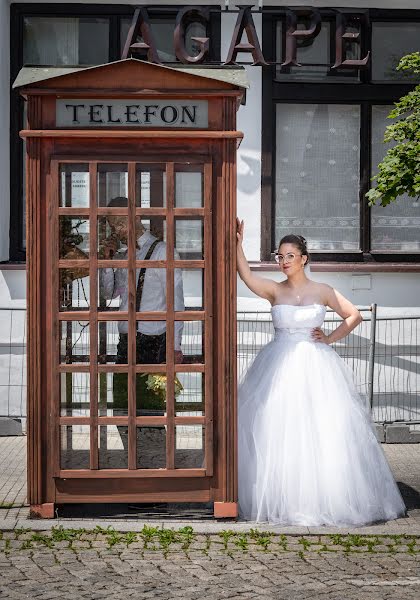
x: 189, y: 395
x: 113, y: 394
x: 74, y: 342
x: 189, y: 447
x: 315, y: 54
x: 163, y: 31
x: 75, y: 446
x: 74, y: 394
x: 390, y: 42
x: 151, y: 185
x: 65, y: 41
x: 73, y: 237
x: 394, y: 227
x: 189, y: 192
x: 74, y: 185
x: 151, y: 447
x: 113, y: 185
x: 113, y: 447
x: 317, y: 174
x: 74, y: 289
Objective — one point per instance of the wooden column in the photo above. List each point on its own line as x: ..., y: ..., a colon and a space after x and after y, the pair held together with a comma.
x: 226, y: 342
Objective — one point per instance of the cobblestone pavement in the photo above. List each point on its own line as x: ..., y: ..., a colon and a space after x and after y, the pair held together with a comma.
x: 404, y: 460
x: 81, y: 556
x: 69, y: 565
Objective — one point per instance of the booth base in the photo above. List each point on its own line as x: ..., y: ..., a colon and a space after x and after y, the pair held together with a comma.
x: 42, y: 511
x: 224, y: 510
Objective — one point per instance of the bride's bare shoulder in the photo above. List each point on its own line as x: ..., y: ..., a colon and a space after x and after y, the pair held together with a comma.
x: 322, y: 290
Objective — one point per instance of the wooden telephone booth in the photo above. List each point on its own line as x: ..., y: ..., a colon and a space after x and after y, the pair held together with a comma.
x: 131, y: 392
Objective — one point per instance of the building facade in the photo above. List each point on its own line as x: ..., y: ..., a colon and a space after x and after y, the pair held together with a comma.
x: 312, y: 133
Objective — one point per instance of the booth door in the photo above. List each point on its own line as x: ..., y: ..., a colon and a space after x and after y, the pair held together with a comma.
x: 131, y: 383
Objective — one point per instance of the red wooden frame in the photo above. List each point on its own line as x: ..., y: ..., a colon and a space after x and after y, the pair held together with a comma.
x: 215, y: 150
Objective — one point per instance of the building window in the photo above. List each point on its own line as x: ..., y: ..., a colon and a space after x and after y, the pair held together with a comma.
x: 391, y: 41
x: 78, y: 34
x: 313, y: 54
x: 163, y: 30
x: 65, y: 41
x: 317, y: 174
x: 396, y: 227
x: 326, y: 143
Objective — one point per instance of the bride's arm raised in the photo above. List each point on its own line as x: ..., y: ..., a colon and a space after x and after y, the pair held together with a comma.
x: 265, y: 288
x: 349, y: 313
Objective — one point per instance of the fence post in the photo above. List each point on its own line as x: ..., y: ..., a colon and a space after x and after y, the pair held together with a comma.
x: 371, y: 366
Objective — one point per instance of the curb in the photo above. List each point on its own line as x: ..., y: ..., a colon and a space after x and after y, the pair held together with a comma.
x: 208, y: 528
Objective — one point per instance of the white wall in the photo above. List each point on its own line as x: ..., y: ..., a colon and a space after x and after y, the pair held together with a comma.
x: 249, y: 152
x: 396, y: 293
x: 386, y: 289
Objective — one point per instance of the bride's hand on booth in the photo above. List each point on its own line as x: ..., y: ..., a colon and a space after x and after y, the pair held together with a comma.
x: 239, y: 231
x: 319, y: 336
x: 179, y: 357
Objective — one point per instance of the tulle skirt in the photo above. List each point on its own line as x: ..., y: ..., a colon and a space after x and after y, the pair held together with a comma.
x: 308, y: 453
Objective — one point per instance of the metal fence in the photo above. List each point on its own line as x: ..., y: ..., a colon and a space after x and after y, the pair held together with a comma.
x: 383, y: 353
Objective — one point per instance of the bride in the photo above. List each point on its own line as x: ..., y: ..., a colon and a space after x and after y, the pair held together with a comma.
x: 308, y: 453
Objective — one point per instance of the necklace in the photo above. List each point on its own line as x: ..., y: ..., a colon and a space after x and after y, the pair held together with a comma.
x: 299, y: 296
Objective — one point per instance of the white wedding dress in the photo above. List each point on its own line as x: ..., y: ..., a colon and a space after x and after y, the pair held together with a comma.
x: 308, y: 453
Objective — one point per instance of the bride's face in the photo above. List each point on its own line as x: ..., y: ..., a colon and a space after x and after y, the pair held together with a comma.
x: 290, y: 259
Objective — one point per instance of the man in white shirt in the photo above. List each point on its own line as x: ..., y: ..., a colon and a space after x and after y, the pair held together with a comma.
x: 151, y: 296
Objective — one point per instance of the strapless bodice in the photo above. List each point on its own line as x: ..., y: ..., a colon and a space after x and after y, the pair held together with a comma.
x: 296, y: 321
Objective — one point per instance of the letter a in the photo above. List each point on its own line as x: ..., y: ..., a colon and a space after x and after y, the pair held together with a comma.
x: 245, y: 22
x: 140, y: 24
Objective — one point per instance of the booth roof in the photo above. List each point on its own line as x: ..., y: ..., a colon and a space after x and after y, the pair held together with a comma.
x: 235, y: 75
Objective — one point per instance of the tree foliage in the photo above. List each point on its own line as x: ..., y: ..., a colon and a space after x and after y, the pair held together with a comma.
x: 399, y: 171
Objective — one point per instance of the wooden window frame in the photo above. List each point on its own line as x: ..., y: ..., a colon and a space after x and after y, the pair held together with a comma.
x: 93, y: 315
x: 363, y: 93
x: 115, y: 13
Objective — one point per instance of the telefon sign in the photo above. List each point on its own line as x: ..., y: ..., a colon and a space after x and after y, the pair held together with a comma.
x: 292, y: 33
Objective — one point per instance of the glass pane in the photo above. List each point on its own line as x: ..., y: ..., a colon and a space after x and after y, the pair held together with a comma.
x: 74, y: 395
x: 189, y: 395
x: 153, y: 295
x: 113, y: 394
x: 148, y: 230
x: 75, y: 446
x: 74, y: 185
x: 317, y: 174
x: 189, y: 447
x: 151, y: 186
x: 189, y: 337
x: 65, y: 41
x: 150, y: 394
x: 113, y: 447
x: 163, y: 31
x: 151, y: 342
x: 151, y: 447
x: 73, y: 289
x: 394, y: 227
x: 110, y: 351
x: 113, y: 185
x: 193, y: 287
x: 189, y: 238
x: 151, y: 282
x: 390, y: 42
x: 189, y: 192
x: 315, y: 56
x: 74, y: 342
x: 112, y: 237
x: 74, y: 237
x: 113, y: 289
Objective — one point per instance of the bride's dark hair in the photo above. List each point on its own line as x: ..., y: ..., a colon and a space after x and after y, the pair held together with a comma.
x: 298, y: 241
